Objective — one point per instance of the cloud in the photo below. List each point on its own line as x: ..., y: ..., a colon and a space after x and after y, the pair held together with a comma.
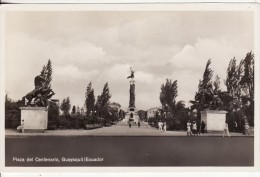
x: 145, y: 77
x: 101, y: 46
x: 191, y: 62
x: 70, y: 72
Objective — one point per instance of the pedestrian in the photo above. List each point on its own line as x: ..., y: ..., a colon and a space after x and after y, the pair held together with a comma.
x: 235, y: 125
x: 22, y: 125
x: 20, y: 128
x: 189, y: 128
x: 138, y: 124
x: 129, y: 124
x: 160, y: 126
x: 247, y: 129
x: 164, y: 126
x: 243, y: 125
x: 198, y: 128
x: 203, y: 125
x: 194, y: 128
x: 226, y: 131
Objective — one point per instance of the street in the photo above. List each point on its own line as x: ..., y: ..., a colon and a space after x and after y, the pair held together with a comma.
x: 128, y: 151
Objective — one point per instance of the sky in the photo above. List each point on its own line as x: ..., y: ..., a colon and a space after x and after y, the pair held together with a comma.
x: 101, y: 47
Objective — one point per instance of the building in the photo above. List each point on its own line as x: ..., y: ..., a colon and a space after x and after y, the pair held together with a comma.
x: 115, y: 106
x: 152, y: 112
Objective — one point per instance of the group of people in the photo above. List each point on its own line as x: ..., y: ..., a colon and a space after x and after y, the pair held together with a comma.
x: 162, y: 126
x: 245, y: 128
x: 194, y: 129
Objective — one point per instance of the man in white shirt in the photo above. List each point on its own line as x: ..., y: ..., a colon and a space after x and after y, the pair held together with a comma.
x: 226, y: 131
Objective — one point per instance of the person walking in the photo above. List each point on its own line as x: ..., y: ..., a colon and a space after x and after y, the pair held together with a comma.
x: 160, y: 126
x: 194, y: 128
x: 22, y: 125
x: 247, y: 129
x: 198, y: 128
x: 164, y: 126
x: 20, y: 128
x: 235, y: 125
x: 189, y: 128
x: 226, y: 131
x: 203, y: 125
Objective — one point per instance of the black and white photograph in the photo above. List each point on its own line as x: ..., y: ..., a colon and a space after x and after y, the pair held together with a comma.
x: 142, y: 86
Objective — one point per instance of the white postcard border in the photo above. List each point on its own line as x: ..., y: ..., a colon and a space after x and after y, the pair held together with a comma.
x: 134, y: 7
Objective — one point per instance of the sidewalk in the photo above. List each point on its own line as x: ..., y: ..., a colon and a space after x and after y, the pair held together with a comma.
x: 116, y: 131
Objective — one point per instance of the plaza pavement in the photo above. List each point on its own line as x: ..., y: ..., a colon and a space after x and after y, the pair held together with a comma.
x: 115, y: 130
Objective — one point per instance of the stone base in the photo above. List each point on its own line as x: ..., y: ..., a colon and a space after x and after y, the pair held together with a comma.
x: 214, y: 120
x: 131, y: 116
x: 33, y: 131
x: 35, y: 119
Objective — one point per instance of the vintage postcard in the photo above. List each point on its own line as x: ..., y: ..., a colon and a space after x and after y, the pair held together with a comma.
x: 140, y: 87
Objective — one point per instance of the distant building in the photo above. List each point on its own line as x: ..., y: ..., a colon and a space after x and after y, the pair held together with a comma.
x: 115, y: 106
x: 152, y: 112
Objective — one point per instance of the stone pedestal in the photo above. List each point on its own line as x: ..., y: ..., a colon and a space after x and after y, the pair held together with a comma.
x: 131, y: 116
x: 35, y: 118
x: 214, y: 120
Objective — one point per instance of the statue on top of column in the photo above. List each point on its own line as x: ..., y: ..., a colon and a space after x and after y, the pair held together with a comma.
x: 132, y: 73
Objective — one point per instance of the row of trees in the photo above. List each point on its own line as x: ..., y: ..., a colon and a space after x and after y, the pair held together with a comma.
x: 238, y: 100
x: 173, y: 112
x: 240, y: 89
x: 97, y: 110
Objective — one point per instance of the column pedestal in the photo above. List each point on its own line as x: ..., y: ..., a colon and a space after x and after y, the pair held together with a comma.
x: 214, y: 120
x: 131, y: 116
x: 35, y: 119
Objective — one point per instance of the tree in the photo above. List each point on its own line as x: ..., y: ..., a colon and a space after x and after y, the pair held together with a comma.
x: 47, y: 69
x: 73, y: 110
x: 78, y: 110
x: 53, y: 115
x: 49, y: 72
x: 180, y: 105
x: 65, y: 106
x: 216, y: 85
x: 207, y: 76
x: 168, y: 94
x: 247, y: 80
x: 90, y: 99
x: 205, y: 90
x: 240, y: 88
x: 247, y: 87
x: 103, y: 100
x: 234, y: 73
x: 12, y: 112
x: 44, y: 70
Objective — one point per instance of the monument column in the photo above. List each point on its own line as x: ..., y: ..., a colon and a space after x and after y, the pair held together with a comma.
x: 131, y: 115
x: 132, y: 94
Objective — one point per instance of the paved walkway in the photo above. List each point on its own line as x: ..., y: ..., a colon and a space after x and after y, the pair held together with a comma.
x: 112, y: 131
